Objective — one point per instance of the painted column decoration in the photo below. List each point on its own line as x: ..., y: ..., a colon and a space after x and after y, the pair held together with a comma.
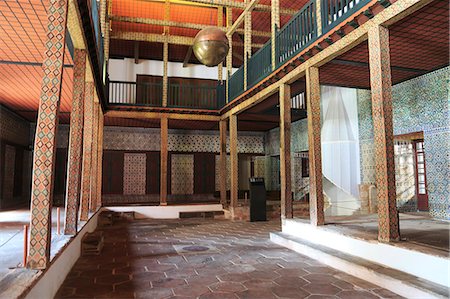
x: 319, y: 17
x: 381, y: 87
x: 45, y: 146
x: 285, y: 151
x: 87, y: 151
x: 223, y: 162
x: 165, y: 78
x: 164, y: 157
x: 165, y: 54
x: 93, y: 197
x: 75, y: 144
x: 234, y: 161
x: 229, y: 16
x: 247, y: 44
x: 100, y: 157
x: 275, y: 25
x: 316, y: 212
x: 220, y: 24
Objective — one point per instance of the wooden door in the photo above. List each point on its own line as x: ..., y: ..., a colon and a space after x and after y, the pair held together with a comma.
x: 204, y: 173
x: 112, y: 176
x: 421, y: 178
x: 153, y: 172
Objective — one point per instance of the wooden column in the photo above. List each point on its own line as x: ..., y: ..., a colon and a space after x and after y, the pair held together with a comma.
x: 75, y: 144
x: 45, y: 140
x: 247, y: 44
x: 165, y: 54
x: 229, y: 16
x: 234, y: 161
x: 94, y: 167
x: 317, y: 216
x: 223, y: 162
x: 319, y: 17
x: 285, y: 151
x: 165, y: 77
x: 275, y: 25
x: 220, y: 24
x: 87, y: 151
x: 164, y: 164
x: 100, y: 158
x: 381, y: 86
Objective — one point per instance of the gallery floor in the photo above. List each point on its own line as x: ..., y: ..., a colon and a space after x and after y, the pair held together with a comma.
x: 201, y: 258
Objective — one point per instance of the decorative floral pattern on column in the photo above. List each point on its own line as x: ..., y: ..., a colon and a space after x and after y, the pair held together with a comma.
x: 316, y: 212
x: 234, y: 161
x: 381, y: 86
x: 87, y: 151
x: 164, y: 164
x: 75, y: 144
x: 285, y: 151
x: 94, y: 167
x: 223, y: 162
x: 45, y: 147
x: 100, y: 157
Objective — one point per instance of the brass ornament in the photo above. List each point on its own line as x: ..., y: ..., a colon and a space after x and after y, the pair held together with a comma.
x: 210, y: 46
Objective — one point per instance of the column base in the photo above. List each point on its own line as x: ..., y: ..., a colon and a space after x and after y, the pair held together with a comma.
x: 237, y: 213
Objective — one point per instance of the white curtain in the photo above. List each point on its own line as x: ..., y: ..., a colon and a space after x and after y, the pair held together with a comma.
x: 340, y: 142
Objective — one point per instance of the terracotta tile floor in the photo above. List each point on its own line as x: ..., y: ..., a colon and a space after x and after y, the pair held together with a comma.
x: 205, y: 259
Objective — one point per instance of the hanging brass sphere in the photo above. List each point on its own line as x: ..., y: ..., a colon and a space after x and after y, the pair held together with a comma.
x: 210, y: 46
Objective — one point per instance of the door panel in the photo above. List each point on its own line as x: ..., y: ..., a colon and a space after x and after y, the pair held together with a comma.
x: 112, y: 172
x: 153, y: 172
x: 204, y: 173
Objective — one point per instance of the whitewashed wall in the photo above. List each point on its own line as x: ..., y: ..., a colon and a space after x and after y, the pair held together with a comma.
x: 126, y: 70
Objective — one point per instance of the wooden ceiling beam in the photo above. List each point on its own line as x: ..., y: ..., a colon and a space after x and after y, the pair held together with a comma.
x: 159, y: 115
x: 248, y: 9
x: 149, y: 21
x: 229, y: 3
x: 159, y: 38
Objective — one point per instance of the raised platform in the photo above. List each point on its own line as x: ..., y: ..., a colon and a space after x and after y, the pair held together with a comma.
x: 394, y: 266
x: 165, y: 212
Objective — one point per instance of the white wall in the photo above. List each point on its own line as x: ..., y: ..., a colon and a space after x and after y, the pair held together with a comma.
x: 126, y: 70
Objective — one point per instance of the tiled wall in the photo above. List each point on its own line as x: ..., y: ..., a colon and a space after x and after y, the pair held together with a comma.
x: 149, y: 139
x: 15, y: 136
x: 299, y: 143
x: 420, y: 104
x: 134, y: 174
x: 13, y: 128
x: 182, y: 174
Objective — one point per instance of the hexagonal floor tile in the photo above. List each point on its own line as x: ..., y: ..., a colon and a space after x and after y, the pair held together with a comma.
x: 227, y: 286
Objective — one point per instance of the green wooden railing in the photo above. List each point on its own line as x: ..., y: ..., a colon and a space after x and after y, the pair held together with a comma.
x: 297, y: 34
x: 300, y: 32
x: 179, y: 95
x: 334, y: 11
x: 236, y: 83
x: 260, y: 65
x: 132, y: 93
x: 193, y: 96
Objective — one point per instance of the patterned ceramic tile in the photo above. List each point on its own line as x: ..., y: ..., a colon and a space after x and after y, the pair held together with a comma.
x: 182, y: 174
x: 134, y: 174
x: 47, y: 121
x: 13, y: 128
x: 117, y: 138
x: 75, y: 144
x: 8, y: 178
x: 420, y: 104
